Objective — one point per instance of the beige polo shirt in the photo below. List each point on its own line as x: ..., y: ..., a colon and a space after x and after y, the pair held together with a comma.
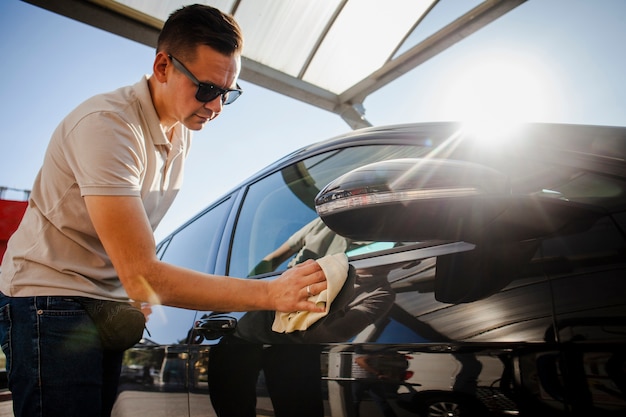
x: 112, y: 144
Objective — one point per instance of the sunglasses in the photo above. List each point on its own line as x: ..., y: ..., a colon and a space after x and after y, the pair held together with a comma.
x: 208, y: 92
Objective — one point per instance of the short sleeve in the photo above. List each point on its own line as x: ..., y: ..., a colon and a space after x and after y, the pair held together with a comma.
x: 106, y: 154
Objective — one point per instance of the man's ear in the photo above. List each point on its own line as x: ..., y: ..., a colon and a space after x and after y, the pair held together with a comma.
x: 160, y: 66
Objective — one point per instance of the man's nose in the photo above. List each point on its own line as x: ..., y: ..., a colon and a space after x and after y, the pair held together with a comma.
x: 215, y: 105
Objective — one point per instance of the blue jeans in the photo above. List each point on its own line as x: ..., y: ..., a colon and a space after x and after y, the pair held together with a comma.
x: 55, y: 363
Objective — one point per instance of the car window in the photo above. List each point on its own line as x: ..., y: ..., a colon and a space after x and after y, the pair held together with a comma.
x: 194, y: 245
x: 281, y: 205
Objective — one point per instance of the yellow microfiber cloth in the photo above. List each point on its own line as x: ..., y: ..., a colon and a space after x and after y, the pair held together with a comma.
x: 335, y: 268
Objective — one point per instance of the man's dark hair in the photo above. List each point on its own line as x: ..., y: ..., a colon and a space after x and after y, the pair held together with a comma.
x: 191, y: 26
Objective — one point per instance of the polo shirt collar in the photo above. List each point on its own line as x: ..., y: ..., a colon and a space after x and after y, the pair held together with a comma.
x: 154, y: 124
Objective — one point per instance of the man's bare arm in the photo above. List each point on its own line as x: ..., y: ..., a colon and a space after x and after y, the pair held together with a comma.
x: 125, y: 232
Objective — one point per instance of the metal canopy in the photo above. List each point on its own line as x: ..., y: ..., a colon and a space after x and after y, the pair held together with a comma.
x: 329, y: 53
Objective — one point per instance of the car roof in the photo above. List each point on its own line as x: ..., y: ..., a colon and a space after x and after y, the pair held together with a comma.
x: 604, y: 142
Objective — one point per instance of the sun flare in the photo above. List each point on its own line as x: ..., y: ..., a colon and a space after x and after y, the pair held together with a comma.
x: 497, y: 91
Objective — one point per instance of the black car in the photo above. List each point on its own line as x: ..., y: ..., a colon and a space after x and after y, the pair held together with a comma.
x: 486, y: 277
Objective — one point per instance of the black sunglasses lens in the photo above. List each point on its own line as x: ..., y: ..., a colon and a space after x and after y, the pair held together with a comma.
x: 207, y: 93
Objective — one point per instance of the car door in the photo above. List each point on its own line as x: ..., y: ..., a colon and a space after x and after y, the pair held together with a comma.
x: 399, y: 299
x: 274, y: 208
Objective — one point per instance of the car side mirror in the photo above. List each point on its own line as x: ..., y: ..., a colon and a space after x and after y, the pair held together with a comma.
x: 406, y: 200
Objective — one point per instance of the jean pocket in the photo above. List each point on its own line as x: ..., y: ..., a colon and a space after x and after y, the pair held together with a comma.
x: 60, y: 307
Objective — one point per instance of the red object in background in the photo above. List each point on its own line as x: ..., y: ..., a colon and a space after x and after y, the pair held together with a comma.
x: 11, y: 213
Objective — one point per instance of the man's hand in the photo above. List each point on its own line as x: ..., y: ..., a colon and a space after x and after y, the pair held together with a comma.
x: 292, y: 289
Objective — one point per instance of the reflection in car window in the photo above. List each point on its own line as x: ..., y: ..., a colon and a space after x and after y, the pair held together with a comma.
x: 281, y: 204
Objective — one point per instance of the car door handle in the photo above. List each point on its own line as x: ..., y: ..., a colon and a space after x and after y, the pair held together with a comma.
x: 212, y: 327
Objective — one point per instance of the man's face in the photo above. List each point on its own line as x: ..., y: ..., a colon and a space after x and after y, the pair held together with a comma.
x: 209, y: 66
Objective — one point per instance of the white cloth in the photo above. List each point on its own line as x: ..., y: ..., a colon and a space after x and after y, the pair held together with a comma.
x: 335, y: 268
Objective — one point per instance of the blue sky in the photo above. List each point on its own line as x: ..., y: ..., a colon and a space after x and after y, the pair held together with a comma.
x: 547, y: 60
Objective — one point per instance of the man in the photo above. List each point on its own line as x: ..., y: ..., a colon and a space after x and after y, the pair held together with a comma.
x: 111, y: 171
